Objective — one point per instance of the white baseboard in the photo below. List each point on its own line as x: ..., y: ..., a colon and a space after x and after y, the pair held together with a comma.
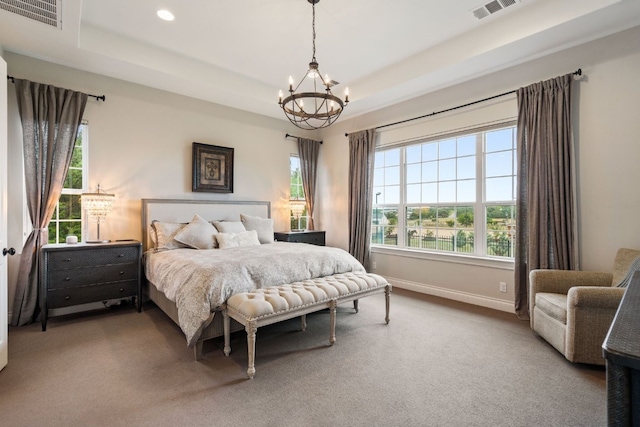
x: 465, y: 297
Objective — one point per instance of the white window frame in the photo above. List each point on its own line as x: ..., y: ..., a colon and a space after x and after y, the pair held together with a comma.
x: 303, y: 218
x: 480, y: 229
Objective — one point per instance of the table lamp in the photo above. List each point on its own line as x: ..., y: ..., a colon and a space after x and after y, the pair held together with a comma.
x: 297, y: 208
x: 97, y: 205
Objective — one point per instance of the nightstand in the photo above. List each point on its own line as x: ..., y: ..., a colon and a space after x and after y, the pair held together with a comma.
x: 72, y: 274
x: 308, y: 236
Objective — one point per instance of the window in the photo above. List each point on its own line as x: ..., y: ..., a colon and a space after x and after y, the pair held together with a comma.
x: 428, y: 195
x: 297, y: 194
x: 67, y: 218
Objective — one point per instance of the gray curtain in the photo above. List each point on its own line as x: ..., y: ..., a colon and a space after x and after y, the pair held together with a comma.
x: 545, y: 226
x: 50, y: 119
x: 308, y: 150
x: 362, y: 150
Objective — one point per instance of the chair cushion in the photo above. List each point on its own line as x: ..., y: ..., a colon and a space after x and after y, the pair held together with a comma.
x: 554, y: 305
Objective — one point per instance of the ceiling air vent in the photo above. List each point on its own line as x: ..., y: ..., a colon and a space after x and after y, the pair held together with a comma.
x: 491, y: 8
x: 45, y: 11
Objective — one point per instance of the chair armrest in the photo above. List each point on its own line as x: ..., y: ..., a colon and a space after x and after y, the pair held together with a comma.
x: 602, y: 298
x: 560, y: 281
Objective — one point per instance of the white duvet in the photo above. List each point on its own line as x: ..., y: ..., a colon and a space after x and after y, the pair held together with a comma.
x: 200, y: 281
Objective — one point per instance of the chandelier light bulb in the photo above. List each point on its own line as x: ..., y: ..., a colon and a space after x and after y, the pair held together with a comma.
x: 290, y: 83
x: 346, y: 94
x: 280, y: 97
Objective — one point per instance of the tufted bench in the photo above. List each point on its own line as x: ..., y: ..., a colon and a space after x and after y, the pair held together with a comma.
x: 277, y: 303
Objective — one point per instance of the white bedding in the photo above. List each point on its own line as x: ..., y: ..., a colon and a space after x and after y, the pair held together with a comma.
x: 200, y: 281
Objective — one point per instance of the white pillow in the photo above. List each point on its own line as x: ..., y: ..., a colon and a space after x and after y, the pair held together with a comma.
x: 235, y: 240
x: 165, y: 235
x: 229, y: 226
x: 264, y: 227
x: 198, y: 234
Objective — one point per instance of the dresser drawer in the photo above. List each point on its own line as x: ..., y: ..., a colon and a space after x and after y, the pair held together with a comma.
x: 312, y: 237
x: 71, y: 278
x: 57, y: 298
x: 58, y: 260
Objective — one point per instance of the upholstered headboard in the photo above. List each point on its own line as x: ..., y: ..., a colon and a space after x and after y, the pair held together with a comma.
x: 178, y: 210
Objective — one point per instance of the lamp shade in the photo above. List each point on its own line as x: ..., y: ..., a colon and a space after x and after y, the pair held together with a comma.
x: 297, y: 207
x: 98, y: 204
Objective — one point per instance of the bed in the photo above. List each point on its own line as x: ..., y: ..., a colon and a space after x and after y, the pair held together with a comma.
x: 191, y: 285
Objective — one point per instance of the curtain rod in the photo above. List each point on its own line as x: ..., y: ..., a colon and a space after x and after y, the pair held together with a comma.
x: 293, y: 136
x: 578, y: 72
x: 99, y: 98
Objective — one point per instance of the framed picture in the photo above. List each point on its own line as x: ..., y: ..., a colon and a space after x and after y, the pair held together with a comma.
x: 212, y: 168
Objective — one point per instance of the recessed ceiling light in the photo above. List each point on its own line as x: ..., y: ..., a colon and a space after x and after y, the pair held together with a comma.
x: 166, y: 15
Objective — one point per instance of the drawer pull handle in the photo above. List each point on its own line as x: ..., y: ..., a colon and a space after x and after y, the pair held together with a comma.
x: 120, y: 255
x: 67, y: 297
x: 121, y: 290
x: 121, y: 273
x: 67, y: 259
x: 66, y: 279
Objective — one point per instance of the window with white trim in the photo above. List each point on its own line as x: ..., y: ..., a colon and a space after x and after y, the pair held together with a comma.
x: 67, y: 218
x: 429, y: 194
x: 297, y: 194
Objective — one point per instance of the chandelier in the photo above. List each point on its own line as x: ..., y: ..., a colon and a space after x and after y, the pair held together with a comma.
x: 306, y: 106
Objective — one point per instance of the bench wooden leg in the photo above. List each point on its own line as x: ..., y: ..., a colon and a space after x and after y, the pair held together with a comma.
x: 251, y: 348
x: 303, y: 322
x: 355, y: 305
x: 226, y: 322
x: 387, y: 294
x: 332, y: 322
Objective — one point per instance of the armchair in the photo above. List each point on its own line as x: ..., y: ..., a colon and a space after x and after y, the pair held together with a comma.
x: 573, y: 310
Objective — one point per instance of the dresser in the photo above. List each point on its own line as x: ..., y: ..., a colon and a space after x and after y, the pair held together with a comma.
x: 308, y: 236
x: 81, y: 273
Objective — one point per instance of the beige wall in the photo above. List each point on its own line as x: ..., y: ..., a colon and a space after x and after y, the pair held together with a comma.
x: 607, y: 134
x: 140, y: 141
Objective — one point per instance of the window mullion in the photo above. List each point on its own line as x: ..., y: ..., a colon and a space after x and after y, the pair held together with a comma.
x: 480, y: 224
x: 402, y: 206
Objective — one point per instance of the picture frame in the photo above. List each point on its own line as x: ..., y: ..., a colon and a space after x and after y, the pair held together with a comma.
x: 212, y: 168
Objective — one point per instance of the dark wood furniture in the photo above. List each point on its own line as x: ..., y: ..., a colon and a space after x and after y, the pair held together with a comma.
x: 621, y: 350
x: 80, y: 273
x: 308, y: 236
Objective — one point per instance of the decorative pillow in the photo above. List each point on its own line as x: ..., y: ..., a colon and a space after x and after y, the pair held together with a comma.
x: 165, y: 235
x: 229, y: 226
x: 264, y: 227
x: 235, y: 240
x: 198, y: 234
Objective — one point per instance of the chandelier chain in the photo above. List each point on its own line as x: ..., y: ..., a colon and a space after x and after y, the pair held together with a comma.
x: 313, y: 31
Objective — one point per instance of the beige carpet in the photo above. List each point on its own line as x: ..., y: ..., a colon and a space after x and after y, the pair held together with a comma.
x: 438, y: 363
